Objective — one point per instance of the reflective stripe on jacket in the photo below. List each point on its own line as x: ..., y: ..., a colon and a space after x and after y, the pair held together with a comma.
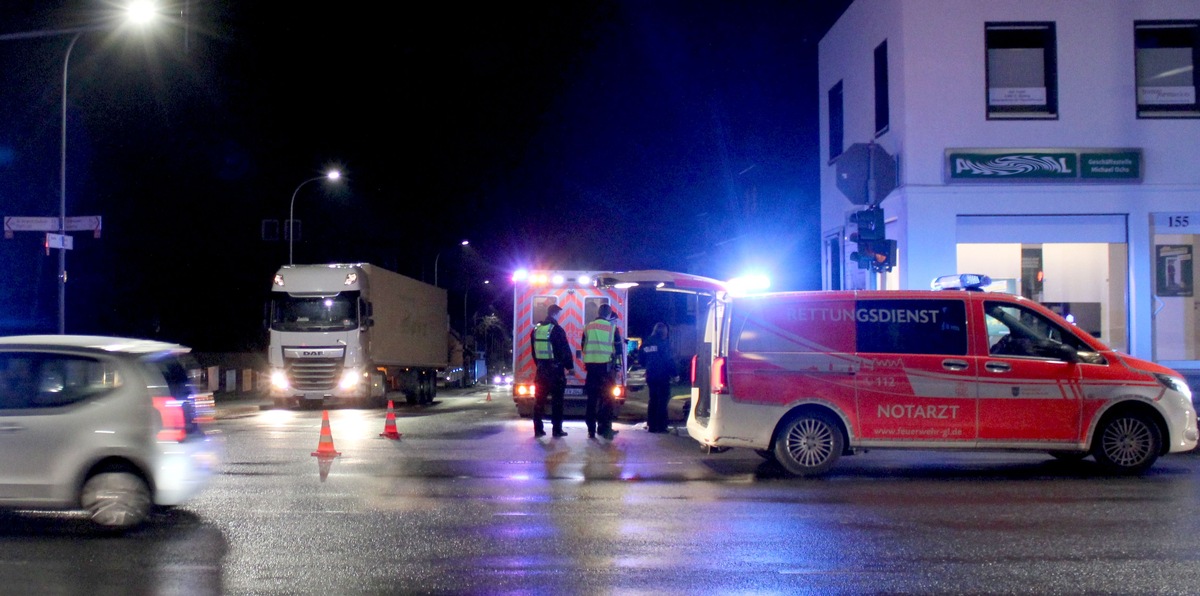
x: 598, y: 341
x: 541, y: 342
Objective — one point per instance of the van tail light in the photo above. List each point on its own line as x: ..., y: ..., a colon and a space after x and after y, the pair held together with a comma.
x: 720, y: 384
x: 173, y: 415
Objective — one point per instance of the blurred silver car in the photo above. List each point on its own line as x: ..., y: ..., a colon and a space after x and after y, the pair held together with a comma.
x: 113, y: 426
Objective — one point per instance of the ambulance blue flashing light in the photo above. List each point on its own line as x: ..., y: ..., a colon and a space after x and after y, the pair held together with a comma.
x: 748, y: 284
x: 971, y: 282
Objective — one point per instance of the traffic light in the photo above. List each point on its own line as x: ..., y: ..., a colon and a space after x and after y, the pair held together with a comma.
x: 874, y: 250
x: 868, y: 225
x: 877, y: 255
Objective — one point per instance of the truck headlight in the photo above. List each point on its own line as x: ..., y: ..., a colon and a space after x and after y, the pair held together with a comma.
x: 350, y: 379
x: 279, y: 379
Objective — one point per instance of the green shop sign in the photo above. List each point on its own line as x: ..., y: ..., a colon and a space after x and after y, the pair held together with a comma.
x: 1043, y: 165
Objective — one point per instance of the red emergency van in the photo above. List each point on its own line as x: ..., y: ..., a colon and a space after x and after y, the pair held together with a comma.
x: 805, y: 377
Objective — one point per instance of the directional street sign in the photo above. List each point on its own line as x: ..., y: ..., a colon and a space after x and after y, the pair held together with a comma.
x: 50, y: 224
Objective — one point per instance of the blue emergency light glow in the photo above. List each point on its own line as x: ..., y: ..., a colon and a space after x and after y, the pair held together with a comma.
x: 747, y: 284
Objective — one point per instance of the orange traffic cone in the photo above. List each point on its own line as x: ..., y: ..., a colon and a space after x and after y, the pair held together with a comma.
x: 325, y: 445
x: 489, y: 397
x: 389, y: 426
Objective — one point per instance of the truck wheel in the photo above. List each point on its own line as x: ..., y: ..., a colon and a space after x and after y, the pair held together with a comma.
x: 808, y: 445
x: 1127, y: 443
x: 427, y: 390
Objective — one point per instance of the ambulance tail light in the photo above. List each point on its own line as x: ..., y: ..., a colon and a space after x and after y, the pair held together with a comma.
x: 524, y: 390
x: 719, y: 382
x: 618, y: 391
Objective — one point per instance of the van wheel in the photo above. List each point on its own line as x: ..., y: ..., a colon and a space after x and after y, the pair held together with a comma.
x: 1127, y: 443
x: 116, y: 500
x: 809, y: 445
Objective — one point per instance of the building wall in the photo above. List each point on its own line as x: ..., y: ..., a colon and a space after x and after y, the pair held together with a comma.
x: 938, y: 100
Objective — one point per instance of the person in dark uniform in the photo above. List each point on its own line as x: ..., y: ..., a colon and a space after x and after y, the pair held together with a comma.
x: 552, y: 353
x: 660, y: 368
x: 603, y: 352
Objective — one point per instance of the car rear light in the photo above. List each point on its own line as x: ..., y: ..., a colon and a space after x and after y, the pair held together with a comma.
x: 719, y: 382
x: 173, y: 415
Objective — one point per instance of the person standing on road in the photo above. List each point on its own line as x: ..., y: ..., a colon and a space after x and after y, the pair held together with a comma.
x: 660, y: 368
x: 603, y: 352
x: 552, y: 353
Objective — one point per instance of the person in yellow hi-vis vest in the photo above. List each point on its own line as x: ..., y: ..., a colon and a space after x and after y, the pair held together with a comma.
x: 602, y: 354
x: 552, y: 353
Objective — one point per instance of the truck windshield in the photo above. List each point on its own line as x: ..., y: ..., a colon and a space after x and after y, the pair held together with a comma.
x: 314, y: 313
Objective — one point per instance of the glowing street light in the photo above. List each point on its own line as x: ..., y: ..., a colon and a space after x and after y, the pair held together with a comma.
x: 332, y: 176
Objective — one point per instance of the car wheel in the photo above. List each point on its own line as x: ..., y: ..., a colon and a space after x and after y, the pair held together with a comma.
x: 808, y: 445
x: 116, y: 500
x: 1127, y: 443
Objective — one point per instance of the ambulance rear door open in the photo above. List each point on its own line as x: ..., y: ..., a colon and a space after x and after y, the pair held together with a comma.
x: 709, y: 328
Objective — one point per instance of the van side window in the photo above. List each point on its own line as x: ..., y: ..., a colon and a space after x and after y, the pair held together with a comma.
x: 1017, y: 331
x: 911, y: 327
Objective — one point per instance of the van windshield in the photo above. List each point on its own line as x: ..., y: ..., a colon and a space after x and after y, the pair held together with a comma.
x: 315, y: 313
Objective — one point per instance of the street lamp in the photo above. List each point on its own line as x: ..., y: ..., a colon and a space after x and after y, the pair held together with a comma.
x: 331, y: 175
x: 139, y: 13
x: 435, y: 262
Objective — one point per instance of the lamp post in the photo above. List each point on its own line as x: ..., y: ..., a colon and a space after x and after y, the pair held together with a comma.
x: 439, y: 256
x: 331, y: 175
x: 140, y: 13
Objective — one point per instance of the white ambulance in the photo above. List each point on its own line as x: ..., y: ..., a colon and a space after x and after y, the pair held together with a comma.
x: 805, y: 377
x: 576, y: 293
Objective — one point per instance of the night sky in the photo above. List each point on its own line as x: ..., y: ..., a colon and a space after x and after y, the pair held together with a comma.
x: 576, y: 135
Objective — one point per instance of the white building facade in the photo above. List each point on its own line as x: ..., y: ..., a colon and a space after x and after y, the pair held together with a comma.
x: 1053, y: 145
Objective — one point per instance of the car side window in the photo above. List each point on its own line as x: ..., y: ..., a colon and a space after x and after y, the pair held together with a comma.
x: 1018, y: 331
x: 41, y: 380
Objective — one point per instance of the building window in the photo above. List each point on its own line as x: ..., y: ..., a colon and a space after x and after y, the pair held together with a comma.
x: 1022, y: 80
x: 881, y: 89
x: 1166, y: 57
x: 835, y: 122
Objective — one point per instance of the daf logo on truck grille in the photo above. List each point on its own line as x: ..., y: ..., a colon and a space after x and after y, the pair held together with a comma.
x: 313, y: 352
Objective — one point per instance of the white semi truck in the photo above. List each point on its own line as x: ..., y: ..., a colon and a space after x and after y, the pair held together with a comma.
x: 349, y: 333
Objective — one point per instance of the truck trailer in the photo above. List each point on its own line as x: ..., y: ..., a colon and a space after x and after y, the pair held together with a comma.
x: 580, y: 299
x: 349, y: 333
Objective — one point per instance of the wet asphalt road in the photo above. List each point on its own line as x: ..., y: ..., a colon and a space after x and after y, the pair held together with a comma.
x: 467, y: 501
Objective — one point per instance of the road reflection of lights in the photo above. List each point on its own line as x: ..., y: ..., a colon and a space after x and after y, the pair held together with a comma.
x: 277, y: 418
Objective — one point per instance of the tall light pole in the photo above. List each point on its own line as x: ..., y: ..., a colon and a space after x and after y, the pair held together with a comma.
x: 331, y: 175
x: 439, y: 255
x: 138, y: 12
